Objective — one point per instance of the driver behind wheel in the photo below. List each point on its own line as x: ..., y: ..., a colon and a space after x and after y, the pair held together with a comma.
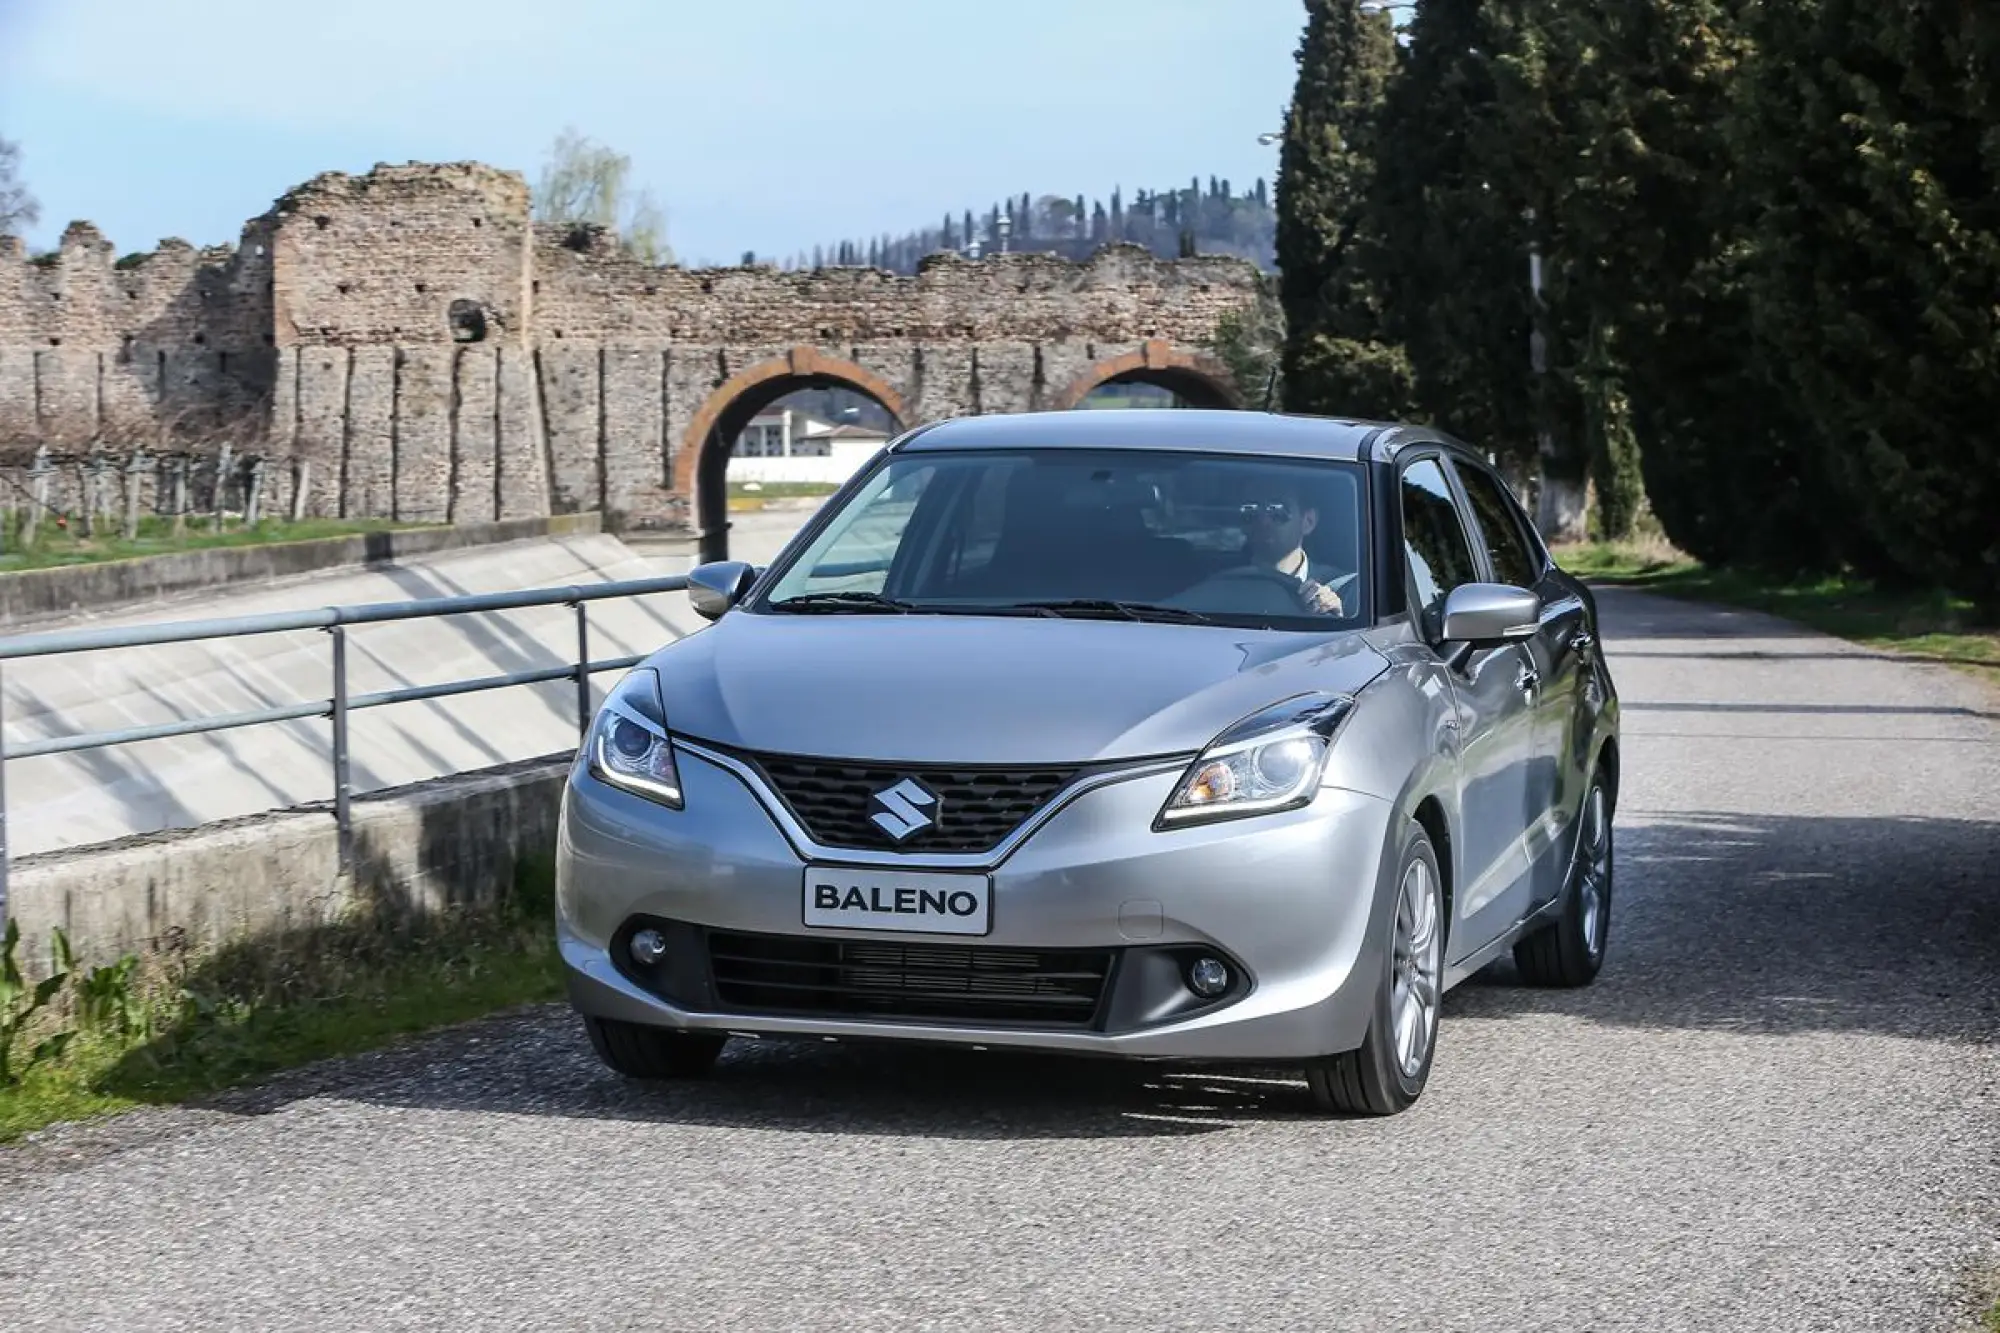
x: 1276, y: 521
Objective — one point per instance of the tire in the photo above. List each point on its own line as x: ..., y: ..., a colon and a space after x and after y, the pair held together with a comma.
x: 1372, y: 1079
x: 1569, y: 951
x: 638, y: 1051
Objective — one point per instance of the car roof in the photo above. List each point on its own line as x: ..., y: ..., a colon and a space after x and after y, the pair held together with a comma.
x: 1182, y: 429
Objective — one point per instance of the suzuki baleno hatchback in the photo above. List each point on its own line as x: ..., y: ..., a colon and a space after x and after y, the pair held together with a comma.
x: 1175, y: 735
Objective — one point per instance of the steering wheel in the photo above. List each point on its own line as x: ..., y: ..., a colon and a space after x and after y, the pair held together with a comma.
x: 1261, y: 574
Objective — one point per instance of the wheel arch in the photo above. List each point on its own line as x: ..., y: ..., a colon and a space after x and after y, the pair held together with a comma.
x: 1608, y: 764
x: 1430, y: 815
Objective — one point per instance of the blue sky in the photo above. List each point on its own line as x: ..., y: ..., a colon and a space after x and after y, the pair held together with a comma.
x: 766, y: 125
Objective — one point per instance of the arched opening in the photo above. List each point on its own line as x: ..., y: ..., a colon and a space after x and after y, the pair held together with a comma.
x: 1155, y: 375
x: 785, y: 428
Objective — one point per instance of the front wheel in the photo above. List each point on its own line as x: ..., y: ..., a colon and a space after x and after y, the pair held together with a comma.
x: 1569, y: 951
x: 1387, y: 1072
x: 639, y: 1051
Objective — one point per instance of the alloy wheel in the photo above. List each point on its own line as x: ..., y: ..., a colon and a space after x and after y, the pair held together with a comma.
x: 1417, y: 963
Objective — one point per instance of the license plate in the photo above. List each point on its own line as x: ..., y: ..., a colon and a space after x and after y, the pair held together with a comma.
x: 864, y: 898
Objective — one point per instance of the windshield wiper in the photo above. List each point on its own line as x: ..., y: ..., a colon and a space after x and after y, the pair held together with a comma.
x: 1086, y: 606
x: 843, y: 601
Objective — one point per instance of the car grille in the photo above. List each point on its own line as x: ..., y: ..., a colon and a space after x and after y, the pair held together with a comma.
x: 983, y: 984
x: 977, y: 807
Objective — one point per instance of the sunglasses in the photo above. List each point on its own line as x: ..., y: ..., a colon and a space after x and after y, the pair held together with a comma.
x: 1278, y: 511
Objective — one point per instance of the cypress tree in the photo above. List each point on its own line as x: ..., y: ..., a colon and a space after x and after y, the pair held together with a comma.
x: 1720, y: 453
x: 1869, y: 138
x: 1337, y: 358
x: 1454, y: 260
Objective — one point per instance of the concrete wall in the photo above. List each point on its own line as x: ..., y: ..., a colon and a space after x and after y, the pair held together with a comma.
x: 430, y: 353
x: 453, y: 841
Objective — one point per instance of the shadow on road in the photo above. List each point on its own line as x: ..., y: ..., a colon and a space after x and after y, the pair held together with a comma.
x: 1783, y: 925
x: 1629, y: 706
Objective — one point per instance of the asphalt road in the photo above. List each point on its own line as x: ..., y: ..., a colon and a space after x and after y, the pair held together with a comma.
x: 1779, y: 1109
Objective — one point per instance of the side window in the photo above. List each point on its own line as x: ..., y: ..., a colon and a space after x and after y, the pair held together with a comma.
x: 1434, y: 541
x: 1513, y: 559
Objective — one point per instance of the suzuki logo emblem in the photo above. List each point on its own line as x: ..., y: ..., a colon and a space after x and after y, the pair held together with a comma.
x: 905, y: 809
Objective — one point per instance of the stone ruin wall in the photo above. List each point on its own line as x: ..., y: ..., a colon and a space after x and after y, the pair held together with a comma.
x: 423, y: 351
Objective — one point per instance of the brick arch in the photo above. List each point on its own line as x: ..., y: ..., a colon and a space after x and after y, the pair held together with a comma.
x: 805, y: 364
x: 1194, y: 376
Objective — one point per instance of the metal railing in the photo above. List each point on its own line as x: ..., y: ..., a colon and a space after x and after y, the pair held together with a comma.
x: 335, y: 621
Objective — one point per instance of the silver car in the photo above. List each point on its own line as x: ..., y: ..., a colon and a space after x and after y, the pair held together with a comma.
x: 1176, y: 735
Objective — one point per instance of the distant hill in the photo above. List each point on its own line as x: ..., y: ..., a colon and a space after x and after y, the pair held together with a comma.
x: 1208, y: 219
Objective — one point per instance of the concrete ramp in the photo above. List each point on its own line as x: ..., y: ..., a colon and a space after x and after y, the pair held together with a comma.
x: 58, y: 801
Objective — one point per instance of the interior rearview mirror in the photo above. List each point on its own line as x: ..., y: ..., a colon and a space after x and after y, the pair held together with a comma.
x: 1483, y: 614
x: 718, y: 585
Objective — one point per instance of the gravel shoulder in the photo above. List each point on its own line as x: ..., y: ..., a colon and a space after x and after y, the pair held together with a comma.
x: 1779, y: 1108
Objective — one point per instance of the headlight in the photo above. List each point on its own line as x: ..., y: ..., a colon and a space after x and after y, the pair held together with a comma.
x: 1271, y: 760
x: 628, y: 742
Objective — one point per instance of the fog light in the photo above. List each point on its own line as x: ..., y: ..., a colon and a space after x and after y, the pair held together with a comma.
x: 649, y: 947
x: 1208, y: 977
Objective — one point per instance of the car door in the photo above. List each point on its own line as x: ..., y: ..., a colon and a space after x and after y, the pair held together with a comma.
x: 1559, y: 658
x: 1493, y: 688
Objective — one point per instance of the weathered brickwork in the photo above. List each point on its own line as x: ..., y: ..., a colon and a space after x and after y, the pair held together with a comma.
x: 419, y: 348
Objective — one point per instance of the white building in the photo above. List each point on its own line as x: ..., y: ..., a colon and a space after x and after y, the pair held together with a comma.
x: 786, y: 445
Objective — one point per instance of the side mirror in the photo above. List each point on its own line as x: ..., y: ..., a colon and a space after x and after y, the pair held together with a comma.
x: 715, y: 587
x: 1484, y: 614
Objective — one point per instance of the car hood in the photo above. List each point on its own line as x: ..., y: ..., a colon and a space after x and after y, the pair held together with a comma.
x: 987, y: 690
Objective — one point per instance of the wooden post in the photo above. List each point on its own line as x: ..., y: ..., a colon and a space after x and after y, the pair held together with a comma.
x: 221, y: 483
x: 180, y: 494
x: 38, y: 485
x: 133, y: 471
x: 304, y: 471
x: 86, y: 475
x: 251, y: 505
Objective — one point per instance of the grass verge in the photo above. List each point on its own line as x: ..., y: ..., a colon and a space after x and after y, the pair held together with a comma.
x: 67, y: 546
x: 750, y: 496
x: 1929, y: 626
x: 176, y: 1027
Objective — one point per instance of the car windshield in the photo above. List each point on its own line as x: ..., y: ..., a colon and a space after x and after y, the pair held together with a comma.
x: 1116, y: 534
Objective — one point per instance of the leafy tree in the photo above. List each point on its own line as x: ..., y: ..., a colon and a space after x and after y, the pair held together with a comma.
x: 1250, y: 341
x: 584, y: 182
x: 1338, y: 357
x: 18, y: 209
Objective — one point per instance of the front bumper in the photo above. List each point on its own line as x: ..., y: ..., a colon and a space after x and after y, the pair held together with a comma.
x: 1094, y: 919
